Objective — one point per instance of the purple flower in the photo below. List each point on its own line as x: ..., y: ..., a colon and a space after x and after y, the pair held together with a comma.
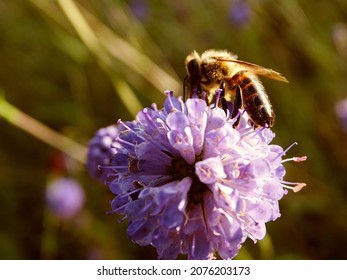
x: 240, y: 13
x: 190, y: 183
x: 140, y: 9
x: 65, y: 197
x: 101, y: 148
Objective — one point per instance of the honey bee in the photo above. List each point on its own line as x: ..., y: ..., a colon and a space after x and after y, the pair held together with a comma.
x: 238, y: 83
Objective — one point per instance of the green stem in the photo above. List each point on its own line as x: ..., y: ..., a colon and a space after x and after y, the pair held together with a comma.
x: 25, y: 122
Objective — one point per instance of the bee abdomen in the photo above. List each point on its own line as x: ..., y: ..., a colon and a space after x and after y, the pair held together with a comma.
x: 255, y: 100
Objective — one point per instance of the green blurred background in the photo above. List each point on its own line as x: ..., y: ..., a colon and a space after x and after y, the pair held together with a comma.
x: 76, y: 66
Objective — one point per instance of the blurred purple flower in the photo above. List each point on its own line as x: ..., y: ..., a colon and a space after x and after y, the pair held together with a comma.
x: 65, y: 197
x: 139, y: 8
x: 101, y: 148
x: 239, y: 13
x: 190, y: 183
x: 341, y: 112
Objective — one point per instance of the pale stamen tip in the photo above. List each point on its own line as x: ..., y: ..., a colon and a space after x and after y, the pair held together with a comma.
x: 298, y: 187
x: 299, y: 159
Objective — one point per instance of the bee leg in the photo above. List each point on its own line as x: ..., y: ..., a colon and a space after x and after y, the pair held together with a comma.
x: 185, y: 85
x: 191, y: 88
x: 222, y: 88
x: 224, y: 104
x: 237, y: 105
x: 197, y: 91
x: 220, y: 97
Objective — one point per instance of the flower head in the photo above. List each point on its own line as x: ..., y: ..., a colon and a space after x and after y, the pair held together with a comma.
x: 190, y: 183
x: 101, y: 148
x: 65, y: 197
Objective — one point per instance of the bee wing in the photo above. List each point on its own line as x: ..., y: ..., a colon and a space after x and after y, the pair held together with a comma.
x: 257, y: 69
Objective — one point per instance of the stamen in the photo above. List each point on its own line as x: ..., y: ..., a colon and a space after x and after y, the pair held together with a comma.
x: 124, y: 205
x: 122, y: 219
x: 218, y: 93
x: 120, y: 122
x: 112, y: 211
x: 297, y: 186
x: 289, y: 183
x: 295, y: 159
x: 246, y: 134
x: 299, y: 159
x: 154, y: 106
x: 286, y: 150
x: 239, y: 113
x: 112, y: 167
x: 125, y: 142
x: 169, y: 93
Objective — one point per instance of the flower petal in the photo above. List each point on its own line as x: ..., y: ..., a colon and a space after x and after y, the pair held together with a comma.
x: 210, y: 170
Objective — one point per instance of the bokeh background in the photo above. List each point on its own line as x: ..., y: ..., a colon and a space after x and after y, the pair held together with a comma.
x: 73, y: 67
